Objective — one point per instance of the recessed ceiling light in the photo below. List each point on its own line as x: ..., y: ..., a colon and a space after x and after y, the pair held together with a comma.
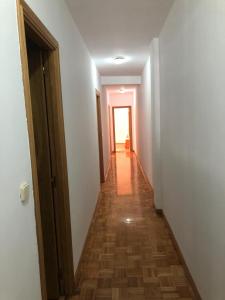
x: 122, y: 90
x: 119, y: 60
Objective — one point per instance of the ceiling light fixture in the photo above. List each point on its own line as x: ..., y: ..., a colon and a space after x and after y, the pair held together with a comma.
x: 122, y: 90
x: 119, y: 60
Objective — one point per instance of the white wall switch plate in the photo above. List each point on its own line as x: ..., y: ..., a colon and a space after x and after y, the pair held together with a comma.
x: 24, y: 192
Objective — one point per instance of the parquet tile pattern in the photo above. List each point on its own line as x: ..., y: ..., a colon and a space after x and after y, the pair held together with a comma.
x: 129, y: 254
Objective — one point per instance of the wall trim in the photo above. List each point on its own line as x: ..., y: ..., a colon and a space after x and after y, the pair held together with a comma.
x: 145, y: 177
x: 79, y: 266
x: 108, y: 169
x: 130, y: 108
x: 30, y: 24
x: 196, y: 293
x: 100, y: 137
x: 79, y: 269
x: 160, y: 213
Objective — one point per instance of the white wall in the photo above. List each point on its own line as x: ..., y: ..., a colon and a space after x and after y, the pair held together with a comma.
x: 121, y: 99
x: 148, y: 122
x: 19, y: 271
x: 192, y: 70
x: 144, y: 120
x: 155, y: 122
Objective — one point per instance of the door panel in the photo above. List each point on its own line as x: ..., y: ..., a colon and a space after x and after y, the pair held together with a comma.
x: 44, y: 168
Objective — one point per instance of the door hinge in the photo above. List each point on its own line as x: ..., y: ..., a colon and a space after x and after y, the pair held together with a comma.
x: 44, y: 70
x: 53, y: 181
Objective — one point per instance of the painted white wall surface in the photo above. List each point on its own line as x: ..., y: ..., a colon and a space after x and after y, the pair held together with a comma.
x: 155, y: 121
x: 192, y: 72
x: 144, y: 121
x: 19, y: 271
x: 121, y: 99
x: 118, y: 80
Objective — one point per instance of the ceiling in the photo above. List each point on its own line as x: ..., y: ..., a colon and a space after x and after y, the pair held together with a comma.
x: 113, y: 28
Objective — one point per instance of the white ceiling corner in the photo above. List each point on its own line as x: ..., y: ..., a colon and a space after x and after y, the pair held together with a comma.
x: 119, y: 27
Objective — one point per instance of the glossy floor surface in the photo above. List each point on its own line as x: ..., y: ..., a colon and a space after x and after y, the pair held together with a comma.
x: 129, y: 254
x: 120, y: 147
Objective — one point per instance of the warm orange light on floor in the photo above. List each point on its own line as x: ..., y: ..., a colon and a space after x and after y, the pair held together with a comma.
x: 129, y: 254
x: 123, y: 174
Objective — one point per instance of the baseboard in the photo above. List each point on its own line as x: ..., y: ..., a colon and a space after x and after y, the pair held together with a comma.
x: 161, y: 214
x: 144, y: 174
x: 78, y: 270
x: 108, y: 168
x: 182, y: 260
x: 158, y: 211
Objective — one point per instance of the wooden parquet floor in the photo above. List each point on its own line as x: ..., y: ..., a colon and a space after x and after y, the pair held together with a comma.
x: 129, y: 254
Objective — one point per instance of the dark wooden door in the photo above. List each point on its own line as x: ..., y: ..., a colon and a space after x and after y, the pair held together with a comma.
x: 45, y: 169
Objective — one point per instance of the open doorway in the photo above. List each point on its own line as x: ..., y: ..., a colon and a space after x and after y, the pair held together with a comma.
x: 122, y: 129
x: 42, y: 88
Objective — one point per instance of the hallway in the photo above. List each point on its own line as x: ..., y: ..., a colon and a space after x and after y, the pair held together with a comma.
x: 112, y: 150
x: 129, y: 253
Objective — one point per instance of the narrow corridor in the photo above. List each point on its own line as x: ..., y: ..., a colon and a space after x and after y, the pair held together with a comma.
x: 129, y: 252
x: 134, y: 85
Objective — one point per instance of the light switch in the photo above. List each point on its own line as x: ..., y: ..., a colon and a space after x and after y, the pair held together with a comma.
x: 24, y: 192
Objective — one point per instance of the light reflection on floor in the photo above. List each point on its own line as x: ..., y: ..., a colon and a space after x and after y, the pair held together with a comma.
x: 120, y: 147
x: 129, y: 254
x: 123, y: 174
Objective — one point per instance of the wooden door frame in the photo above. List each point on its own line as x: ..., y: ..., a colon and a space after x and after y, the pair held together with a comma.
x: 26, y: 17
x: 130, y: 126
x: 110, y: 129
x: 100, y: 139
